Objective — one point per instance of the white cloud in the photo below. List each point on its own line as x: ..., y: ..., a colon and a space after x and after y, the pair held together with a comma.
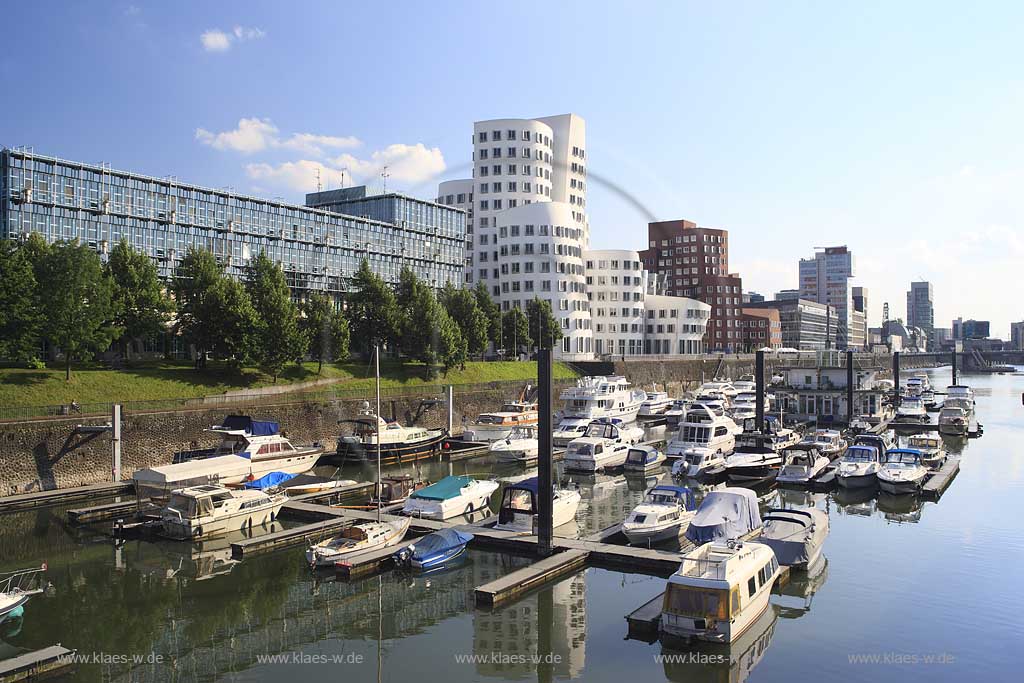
x: 308, y: 143
x: 252, y: 135
x: 300, y: 176
x: 216, y: 40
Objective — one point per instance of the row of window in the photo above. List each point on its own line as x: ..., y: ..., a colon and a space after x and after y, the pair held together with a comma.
x: 692, y: 237
x: 510, y: 135
x: 513, y: 153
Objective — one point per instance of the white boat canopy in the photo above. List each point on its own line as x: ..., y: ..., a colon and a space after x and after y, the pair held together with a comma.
x: 192, y: 472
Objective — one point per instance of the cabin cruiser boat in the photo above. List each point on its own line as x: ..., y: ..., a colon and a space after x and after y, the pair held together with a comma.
x: 961, y: 392
x: 725, y: 514
x: 743, y: 406
x: 752, y: 465
x: 802, y: 464
x: 724, y: 388
x: 208, y: 510
x: 829, y: 442
x: 449, y: 497
x: 433, y: 551
x: 796, y: 535
x: 911, y: 409
x: 595, y: 397
x: 521, y: 445
x: 881, y: 442
x: 933, y: 454
x: 719, y: 591
x: 519, y: 507
x: 16, y: 588
x: 902, y: 471
x: 655, y: 404
x: 774, y: 435
x: 702, y: 432
x: 697, y: 464
x: 677, y: 411
x: 395, y: 489
x: 601, y: 447
x: 356, y: 540
x: 858, y: 467
x: 397, y: 442
x: 499, y: 424
x: 716, y: 400
x: 644, y: 459
x: 953, y: 420
x: 664, y: 513
x: 569, y: 428
x: 746, y: 383
x: 294, y: 484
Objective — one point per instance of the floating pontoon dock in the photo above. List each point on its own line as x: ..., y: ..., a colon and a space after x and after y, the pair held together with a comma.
x: 32, y: 666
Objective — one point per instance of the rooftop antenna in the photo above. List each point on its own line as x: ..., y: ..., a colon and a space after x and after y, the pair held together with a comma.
x: 343, y: 177
x: 318, y: 180
x: 385, y: 175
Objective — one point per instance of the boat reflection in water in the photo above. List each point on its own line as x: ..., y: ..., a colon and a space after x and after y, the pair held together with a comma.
x: 900, y: 509
x: 713, y: 662
x: 855, y: 501
x: 794, y: 599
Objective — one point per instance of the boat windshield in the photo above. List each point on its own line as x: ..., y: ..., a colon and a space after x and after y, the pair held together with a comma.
x: 856, y: 454
x: 581, y: 448
x: 661, y: 498
x: 697, y: 602
x: 692, y: 434
x: 694, y: 459
x: 519, y: 499
x: 231, y: 444
x: 902, y: 459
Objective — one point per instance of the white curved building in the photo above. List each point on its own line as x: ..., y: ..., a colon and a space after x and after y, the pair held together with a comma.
x: 630, y: 314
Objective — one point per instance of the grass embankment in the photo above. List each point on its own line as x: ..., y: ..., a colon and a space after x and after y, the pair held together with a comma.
x: 164, y: 380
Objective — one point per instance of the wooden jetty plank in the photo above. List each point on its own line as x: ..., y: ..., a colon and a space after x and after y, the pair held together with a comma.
x: 38, y: 499
x: 369, y: 563
x: 940, y: 481
x: 634, y: 559
x: 99, y: 513
x: 528, y: 578
x: 644, y: 622
x: 44, y: 663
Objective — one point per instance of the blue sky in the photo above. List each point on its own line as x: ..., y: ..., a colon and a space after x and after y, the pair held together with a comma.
x: 894, y: 128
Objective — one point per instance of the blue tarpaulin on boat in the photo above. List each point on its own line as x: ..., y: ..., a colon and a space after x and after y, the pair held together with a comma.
x: 444, y: 539
x: 268, y: 480
x: 449, y: 487
x: 251, y: 426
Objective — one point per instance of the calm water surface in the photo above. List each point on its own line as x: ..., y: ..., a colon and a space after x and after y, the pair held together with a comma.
x: 904, y: 580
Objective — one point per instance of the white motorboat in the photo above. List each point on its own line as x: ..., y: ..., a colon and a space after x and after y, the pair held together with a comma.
x: 796, y: 535
x: 655, y: 404
x: 752, y: 465
x: 933, y: 453
x: 744, y: 406
x: 452, y: 496
x: 911, y: 409
x: 677, y: 411
x: 16, y: 588
x: 356, y: 540
x: 702, y: 432
x: 719, y: 591
x: 208, y: 510
x: 746, y: 383
x: 601, y: 447
x: 644, y: 459
x: 802, y: 464
x: 828, y: 442
x: 697, y: 463
x: 519, y: 507
x: 902, y: 471
x: 663, y: 515
x: 596, y: 397
x: 500, y: 423
x: 716, y: 401
x: 521, y: 445
x: 569, y: 428
x: 953, y: 420
x: 724, y: 388
x: 858, y: 467
x: 398, y: 443
x: 774, y: 434
x: 960, y: 395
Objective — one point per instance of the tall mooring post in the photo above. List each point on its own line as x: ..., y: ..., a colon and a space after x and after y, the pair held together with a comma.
x: 896, y: 379
x: 451, y: 407
x: 849, y: 388
x: 545, y: 485
x: 954, y: 362
x: 115, y: 441
x: 759, y: 389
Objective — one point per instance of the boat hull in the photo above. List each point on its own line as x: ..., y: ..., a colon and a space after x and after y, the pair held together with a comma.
x: 218, y: 526
x: 437, y: 559
x: 898, y: 487
x: 648, y: 535
x: 752, y: 474
x: 392, y: 452
x: 857, y: 480
x: 452, y: 507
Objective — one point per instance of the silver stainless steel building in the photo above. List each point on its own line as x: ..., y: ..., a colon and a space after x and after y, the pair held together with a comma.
x: 318, y: 249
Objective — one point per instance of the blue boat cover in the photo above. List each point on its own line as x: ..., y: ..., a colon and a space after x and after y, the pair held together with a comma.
x: 268, y: 480
x: 440, y: 541
x: 251, y: 426
x: 530, y: 484
x: 449, y: 487
x: 728, y: 513
x: 680, y: 491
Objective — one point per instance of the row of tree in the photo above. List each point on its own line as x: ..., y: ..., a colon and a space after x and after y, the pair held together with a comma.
x: 65, y: 295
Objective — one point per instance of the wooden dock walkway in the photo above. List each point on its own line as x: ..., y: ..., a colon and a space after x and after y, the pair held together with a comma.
x: 529, y: 578
x: 51, y: 497
x: 644, y: 622
x: 940, y: 481
x: 32, y: 666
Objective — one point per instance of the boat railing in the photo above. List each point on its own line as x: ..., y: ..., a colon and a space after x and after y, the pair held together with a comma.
x: 703, y: 567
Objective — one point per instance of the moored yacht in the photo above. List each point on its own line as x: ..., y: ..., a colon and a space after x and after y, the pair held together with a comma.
x: 902, y: 471
x: 702, y: 432
x: 828, y: 442
x: 454, y: 495
x: 204, y: 511
x: 500, y: 423
x: 260, y: 442
x: 677, y: 411
x: 858, y: 467
x: 774, y: 434
x: 953, y: 420
x: 664, y: 514
x: 796, y: 535
x: 752, y: 465
x: 16, y: 588
x: 933, y: 454
x: 719, y: 591
x: 602, y: 446
x: 356, y: 540
x: 569, y: 428
x: 746, y: 383
x: 655, y: 404
x: 724, y: 388
x: 911, y: 409
x: 595, y: 397
x: 519, y: 507
x: 644, y: 459
x: 521, y: 445
x: 744, y: 406
x: 802, y: 464
x: 398, y: 443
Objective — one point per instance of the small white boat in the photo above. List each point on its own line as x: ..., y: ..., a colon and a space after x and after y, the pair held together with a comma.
x: 521, y: 445
x: 911, y: 409
x: 752, y: 465
x: 357, y: 539
x: 933, y: 454
x: 953, y: 420
x: 569, y: 428
x: 902, y: 471
x: 452, y: 496
x: 828, y: 442
x: 802, y: 464
x: 796, y: 535
x: 519, y: 507
x: 858, y: 467
x: 725, y: 388
x: 655, y: 404
x: 303, y: 484
x: 16, y: 588
x: 644, y: 459
x: 699, y: 463
x: 663, y: 515
x: 499, y: 424
x: 601, y: 447
x: 595, y: 397
x: 204, y: 511
x: 719, y: 591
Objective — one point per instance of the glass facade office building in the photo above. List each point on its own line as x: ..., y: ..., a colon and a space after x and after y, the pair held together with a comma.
x: 318, y: 248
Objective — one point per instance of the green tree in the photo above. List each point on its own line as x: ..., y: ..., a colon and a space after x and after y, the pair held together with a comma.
x: 515, y: 332
x: 279, y: 338
x: 77, y: 297
x: 231, y: 320
x: 372, y: 311
x: 544, y: 327
x: 326, y: 330
x: 20, y: 313
x: 452, y: 346
x: 197, y: 277
x: 421, y: 326
x: 461, y: 305
x: 491, y: 312
x: 141, y: 306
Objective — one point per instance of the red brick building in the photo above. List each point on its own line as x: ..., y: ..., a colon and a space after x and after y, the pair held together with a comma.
x: 695, y: 263
x: 761, y: 327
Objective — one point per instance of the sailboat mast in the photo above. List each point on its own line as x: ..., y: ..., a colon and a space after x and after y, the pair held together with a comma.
x: 380, y: 482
